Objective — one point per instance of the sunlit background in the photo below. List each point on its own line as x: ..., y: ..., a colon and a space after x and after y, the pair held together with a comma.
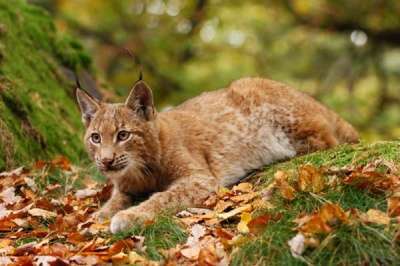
x: 343, y: 52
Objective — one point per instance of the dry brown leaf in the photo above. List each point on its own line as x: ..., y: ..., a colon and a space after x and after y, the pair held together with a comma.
x: 332, y: 214
x: 208, y: 256
x: 259, y: 223
x: 394, y: 206
x: 244, y: 198
x: 286, y: 190
x: 315, y: 225
x: 310, y: 179
x: 222, y: 205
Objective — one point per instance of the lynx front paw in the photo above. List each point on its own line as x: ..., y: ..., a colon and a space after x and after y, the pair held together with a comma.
x: 102, y: 215
x: 124, y: 220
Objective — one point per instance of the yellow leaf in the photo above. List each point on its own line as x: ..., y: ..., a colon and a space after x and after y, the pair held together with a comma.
x: 287, y: 191
x: 310, y: 179
x: 222, y: 191
x: 332, y: 213
x: 245, y: 218
x: 375, y: 216
x: 243, y: 187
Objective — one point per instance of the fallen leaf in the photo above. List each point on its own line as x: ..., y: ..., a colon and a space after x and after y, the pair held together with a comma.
x: 223, y: 233
x: 287, y: 191
x: 394, y: 206
x: 121, y: 246
x: 85, y: 260
x: 242, y: 227
x: 375, y: 216
x: 9, y: 197
x: 3, y: 211
x: 234, y: 212
x: 315, y: 225
x: 192, y: 246
x: 297, y: 245
x: 258, y: 224
x: 222, y: 205
x: 31, y: 183
x: 42, y: 213
x: 244, y: 198
x: 85, y: 193
x: 207, y: 256
x: 16, y: 172
x: 310, y: 179
x: 243, y: 188
x: 332, y: 214
x: 5, y: 260
x: 61, y: 162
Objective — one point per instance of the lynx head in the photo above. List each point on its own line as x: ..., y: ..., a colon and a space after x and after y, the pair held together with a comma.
x: 121, y: 138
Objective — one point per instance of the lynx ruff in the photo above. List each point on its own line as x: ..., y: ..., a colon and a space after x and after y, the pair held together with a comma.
x: 181, y: 155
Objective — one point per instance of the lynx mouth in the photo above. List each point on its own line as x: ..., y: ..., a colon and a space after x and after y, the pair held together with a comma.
x: 114, y: 168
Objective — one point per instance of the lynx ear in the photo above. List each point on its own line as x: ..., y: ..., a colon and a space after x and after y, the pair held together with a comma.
x: 140, y: 99
x: 88, y: 106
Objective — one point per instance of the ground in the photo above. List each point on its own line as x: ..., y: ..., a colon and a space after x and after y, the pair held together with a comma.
x: 340, y: 206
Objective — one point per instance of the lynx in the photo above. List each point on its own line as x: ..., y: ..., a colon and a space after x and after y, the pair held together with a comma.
x: 182, y: 155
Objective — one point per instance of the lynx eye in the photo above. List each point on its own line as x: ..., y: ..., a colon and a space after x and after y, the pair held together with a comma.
x: 123, y: 135
x: 95, y: 137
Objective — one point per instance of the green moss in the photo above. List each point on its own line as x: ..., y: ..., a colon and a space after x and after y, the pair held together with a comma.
x: 346, y: 245
x: 37, y: 105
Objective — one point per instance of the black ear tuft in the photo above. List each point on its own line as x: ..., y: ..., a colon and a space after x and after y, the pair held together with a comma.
x: 140, y: 75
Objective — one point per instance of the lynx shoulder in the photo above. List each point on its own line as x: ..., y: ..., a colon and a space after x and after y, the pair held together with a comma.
x: 182, y: 155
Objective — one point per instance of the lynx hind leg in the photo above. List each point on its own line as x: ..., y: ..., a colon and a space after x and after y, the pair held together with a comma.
x: 312, y: 134
x: 186, y: 192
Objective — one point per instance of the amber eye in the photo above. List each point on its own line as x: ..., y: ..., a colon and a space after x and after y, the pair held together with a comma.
x: 123, y: 135
x: 95, y: 137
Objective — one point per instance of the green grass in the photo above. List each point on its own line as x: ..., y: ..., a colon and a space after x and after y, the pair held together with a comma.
x: 346, y: 245
x: 163, y: 234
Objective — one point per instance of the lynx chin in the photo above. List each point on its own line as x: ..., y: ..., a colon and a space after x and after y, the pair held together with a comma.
x: 182, y: 155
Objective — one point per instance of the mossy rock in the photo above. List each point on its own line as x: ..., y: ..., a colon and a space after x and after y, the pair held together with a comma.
x: 38, y: 114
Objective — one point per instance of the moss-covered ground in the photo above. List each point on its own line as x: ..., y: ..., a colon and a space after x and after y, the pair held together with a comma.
x: 38, y: 114
x: 347, y: 245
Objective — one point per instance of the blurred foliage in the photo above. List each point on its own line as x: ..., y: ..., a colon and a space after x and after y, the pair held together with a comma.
x: 344, y: 52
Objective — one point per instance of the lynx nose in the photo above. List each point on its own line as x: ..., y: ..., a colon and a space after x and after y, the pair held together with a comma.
x: 107, y: 162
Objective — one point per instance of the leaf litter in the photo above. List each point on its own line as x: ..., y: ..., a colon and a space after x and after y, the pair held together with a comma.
x: 53, y: 225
